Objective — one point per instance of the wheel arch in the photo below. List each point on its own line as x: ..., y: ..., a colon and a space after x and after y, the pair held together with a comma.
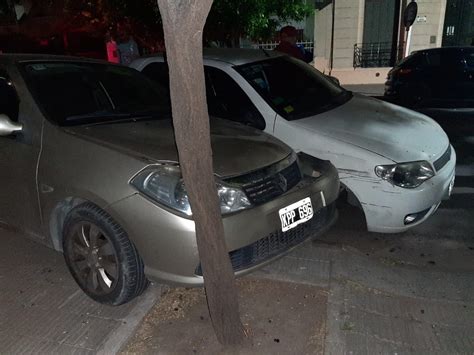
x: 353, y: 199
x: 58, y: 217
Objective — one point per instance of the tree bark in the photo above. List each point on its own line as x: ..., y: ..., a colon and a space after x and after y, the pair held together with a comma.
x: 183, y: 24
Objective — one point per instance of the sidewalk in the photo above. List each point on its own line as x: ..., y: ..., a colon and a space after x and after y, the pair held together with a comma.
x: 367, y: 89
x: 335, y: 299
x: 43, y: 311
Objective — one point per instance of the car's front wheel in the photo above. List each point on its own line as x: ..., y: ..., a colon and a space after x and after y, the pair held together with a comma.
x: 101, y: 257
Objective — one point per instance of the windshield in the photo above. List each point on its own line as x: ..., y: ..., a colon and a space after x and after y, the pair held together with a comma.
x: 293, y: 88
x: 75, y: 93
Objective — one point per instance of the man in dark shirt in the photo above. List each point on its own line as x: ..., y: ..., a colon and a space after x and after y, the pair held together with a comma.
x: 288, y: 45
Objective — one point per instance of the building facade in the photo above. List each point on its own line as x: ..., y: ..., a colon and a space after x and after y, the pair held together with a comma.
x: 358, y: 41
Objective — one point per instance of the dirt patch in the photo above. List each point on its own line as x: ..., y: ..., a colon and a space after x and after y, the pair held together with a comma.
x: 280, y: 318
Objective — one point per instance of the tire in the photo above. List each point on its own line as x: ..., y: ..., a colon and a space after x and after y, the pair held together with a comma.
x: 101, y: 257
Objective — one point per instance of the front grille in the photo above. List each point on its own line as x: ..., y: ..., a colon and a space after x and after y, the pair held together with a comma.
x: 277, y: 242
x: 443, y: 160
x: 261, y: 187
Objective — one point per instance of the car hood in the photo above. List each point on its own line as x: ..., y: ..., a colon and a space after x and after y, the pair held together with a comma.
x: 236, y: 149
x: 391, y: 131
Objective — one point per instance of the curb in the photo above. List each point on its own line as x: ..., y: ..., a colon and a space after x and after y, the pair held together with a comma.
x: 117, y: 339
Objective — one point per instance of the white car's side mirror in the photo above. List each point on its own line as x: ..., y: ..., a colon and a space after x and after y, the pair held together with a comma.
x: 7, y: 127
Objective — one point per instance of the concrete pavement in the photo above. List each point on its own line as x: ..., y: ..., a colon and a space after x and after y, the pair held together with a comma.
x: 43, y: 311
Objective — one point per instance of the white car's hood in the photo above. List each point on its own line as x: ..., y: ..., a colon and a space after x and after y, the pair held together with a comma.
x: 394, y: 132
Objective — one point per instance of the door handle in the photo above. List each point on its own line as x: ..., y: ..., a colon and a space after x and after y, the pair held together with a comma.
x: 46, y: 188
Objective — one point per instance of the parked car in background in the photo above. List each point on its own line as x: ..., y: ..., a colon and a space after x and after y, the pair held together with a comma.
x: 396, y: 164
x: 439, y: 82
x: 89, y: 166
x: 433, y: 78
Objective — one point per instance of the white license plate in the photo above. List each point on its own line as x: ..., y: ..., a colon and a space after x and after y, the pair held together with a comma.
x: 296, y: 213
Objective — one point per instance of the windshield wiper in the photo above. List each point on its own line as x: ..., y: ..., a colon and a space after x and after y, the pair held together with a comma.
x: 97, y: 115
x: 99, y: 118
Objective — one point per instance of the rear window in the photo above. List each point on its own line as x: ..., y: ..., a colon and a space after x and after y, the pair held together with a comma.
x: 71, y: 93
x: 447, y: 59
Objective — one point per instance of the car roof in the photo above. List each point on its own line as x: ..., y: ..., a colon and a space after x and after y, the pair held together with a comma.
x: 445, y: 49
x: 234, y: 56
x: 20, y: 57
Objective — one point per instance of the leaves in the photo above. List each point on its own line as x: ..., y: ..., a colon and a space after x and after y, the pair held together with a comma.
x: 254, y: 18
x: 228, y: 20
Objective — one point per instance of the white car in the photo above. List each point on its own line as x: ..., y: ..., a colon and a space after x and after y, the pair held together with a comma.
x: 398, y: 164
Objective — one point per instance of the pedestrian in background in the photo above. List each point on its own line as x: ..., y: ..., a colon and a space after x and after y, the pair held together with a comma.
x: 288, y: 39
x: 113, y: 55
x: 127, y: 47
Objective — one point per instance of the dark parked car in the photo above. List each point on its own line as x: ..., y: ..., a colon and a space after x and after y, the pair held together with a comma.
x: 434, y: 78
x: 439, y: 82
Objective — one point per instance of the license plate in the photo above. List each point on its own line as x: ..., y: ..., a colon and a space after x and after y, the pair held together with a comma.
x: 296, y: 213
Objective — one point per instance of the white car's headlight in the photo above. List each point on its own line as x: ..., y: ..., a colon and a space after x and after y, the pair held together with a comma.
x: 164, y: 185
x: 407, y: 175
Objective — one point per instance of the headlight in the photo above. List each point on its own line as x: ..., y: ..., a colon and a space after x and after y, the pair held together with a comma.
x: 407, y: 175
x: 164, y: 184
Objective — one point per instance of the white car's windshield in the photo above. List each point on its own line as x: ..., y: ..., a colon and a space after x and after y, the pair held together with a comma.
x: 294, y: 89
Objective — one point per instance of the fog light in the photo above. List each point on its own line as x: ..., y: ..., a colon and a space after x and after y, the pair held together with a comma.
x: 415, y: 217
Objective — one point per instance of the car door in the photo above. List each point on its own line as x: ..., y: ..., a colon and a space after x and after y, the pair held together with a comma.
x: 469, y: 75
x: 19, y: 153
x: 466, y: 82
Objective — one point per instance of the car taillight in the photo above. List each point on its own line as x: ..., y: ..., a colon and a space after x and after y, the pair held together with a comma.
x: 404, y: 71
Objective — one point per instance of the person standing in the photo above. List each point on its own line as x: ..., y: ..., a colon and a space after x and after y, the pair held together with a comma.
x: 288, y: 38
x: 128, y: 49
x: 112, y: 49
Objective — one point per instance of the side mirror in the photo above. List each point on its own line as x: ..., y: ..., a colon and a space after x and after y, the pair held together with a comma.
x: 7, y: 127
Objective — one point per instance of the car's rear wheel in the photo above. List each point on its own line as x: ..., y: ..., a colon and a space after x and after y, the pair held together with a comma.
x: 101, y: 257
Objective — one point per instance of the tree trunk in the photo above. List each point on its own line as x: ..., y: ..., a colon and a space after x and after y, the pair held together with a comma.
x: 183, y: 23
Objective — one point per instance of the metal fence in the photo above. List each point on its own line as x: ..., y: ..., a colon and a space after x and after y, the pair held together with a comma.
x: 308, y: 45
x: 370, y: 55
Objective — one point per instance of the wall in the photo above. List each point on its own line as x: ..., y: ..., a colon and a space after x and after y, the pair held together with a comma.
x: 348, y: 31
x: 322, y: 38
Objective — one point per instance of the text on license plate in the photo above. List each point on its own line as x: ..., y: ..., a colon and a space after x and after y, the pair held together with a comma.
x: 296, y: 213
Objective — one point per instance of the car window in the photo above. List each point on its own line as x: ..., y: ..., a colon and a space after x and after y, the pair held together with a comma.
x: 412, y: 61
x: 9, y: 101
x: 86, y: 93
x: 158, y: 72
x: 226, y: 99
x: 432, y: 59
x: 294, y: 89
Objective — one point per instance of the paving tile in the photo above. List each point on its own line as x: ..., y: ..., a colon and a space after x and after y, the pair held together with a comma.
x: 43, y: 311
